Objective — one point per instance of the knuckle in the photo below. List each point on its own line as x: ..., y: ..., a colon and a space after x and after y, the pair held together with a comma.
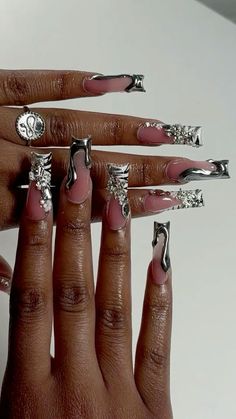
x: 117, y: 254
x: 28, y: 302
x: 70, y: 297
x: 112, y: 318
x: 59, y: 128
x: 15, y: 87
x: 145, y: 172
x: 116, y: 131
x: 155, y: 358
x: 160, y: 306
x: 78, y: 228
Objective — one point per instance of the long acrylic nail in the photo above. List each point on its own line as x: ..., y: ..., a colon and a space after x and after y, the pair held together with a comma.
x: 185, y: 170
x: 161, y: 259
x: 78, y: 184
x: 39, y: 198
x: 154, y: 133
x: 99, y: 83
x: 117, y: 209
x: 157, y: 200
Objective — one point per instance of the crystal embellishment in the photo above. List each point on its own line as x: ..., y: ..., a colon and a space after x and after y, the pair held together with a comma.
x: 181, y: 134
x: 40, y: 173
x: 189, y: 198
x: 118, y: 185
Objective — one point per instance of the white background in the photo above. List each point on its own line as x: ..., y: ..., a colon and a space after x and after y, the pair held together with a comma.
x: 187, y: 53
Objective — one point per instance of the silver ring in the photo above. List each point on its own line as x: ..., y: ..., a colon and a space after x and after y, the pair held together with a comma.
x: 30, y: 126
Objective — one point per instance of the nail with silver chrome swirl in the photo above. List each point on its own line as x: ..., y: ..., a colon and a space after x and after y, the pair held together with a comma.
x: 162, y: 229
x: 30, y: 126
x: 118, y: 186
x: 220, y: 172
x: 77, y: 145
x: 152, y: 133
x: 40, y: 173
x: 100, y: 83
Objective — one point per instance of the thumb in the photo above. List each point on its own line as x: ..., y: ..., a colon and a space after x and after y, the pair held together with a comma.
x: 5, y: 276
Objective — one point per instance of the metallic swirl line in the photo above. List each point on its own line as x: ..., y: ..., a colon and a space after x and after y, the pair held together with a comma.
x: 221, y: 172
x: 77, y: 145
x: 136, y: 84
x: 162, y: 228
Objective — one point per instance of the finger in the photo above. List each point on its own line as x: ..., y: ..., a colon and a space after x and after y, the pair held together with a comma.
x: 31, y: 292
x: 74, y: 308
x: 5, y: 275
x: 113, y: 295
x: 152, y: 366
x: 21, y: 87
x: 105, y: 129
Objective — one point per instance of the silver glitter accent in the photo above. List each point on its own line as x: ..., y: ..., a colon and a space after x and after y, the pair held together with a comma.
x: 136, y: 84
x: 40, y: 173
x: 117, y: 185
x: 189, y: 198
x: 181, y: 134
x: 162, y: 228
x: 192, y: 198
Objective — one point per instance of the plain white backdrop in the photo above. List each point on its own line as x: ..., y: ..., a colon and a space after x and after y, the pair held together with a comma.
x: 187, y: 53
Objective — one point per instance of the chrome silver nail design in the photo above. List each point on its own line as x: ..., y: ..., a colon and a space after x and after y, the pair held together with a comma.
x: 30, y: 126
x: 136, y: 84
x: 191, y: 198
x: 162, y: 228
x: 220, y: 172
x: 118, y: 185
x: 181, y: 134
x: 78, y: 145
x: 40, y: 173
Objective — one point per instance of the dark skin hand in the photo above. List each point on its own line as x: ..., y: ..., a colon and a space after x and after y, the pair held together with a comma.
x: 91, y: 374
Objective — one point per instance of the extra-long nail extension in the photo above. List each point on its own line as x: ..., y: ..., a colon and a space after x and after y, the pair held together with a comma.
x: 99, y: 83
x: 118, y: 209
x: 78, y: 183
x: 185, y: 170
x: 161, y: 258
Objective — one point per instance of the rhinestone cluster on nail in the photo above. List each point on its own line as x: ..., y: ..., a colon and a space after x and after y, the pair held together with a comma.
x: 117, y: 185
x: 40, y: 173
x: 189, y: 198
x: 181, y: 134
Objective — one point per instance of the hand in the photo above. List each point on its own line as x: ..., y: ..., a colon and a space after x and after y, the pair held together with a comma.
x: 91, y: 374
x: 26, y: 87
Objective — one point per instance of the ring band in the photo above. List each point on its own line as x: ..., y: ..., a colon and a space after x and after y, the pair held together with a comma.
x: 30, y: 126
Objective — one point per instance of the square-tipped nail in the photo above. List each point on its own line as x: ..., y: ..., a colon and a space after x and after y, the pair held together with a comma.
x: 118, y: 210
x: 158, y: 200
x: 185, y: 170
x: 161, y: 259
x: 78, y: 184
x: 39, y: 198
x: 152, y: 133
x: 99, y: 84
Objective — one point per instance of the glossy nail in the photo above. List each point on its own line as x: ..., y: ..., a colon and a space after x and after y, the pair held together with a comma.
x: 153, y: 133
x: 78, y: 183
x: 185, y: 170
x: 99, y: 83
x: 157, y: 200
x: 161, y: 259
x: 39, y: 197
x: 117, y: 209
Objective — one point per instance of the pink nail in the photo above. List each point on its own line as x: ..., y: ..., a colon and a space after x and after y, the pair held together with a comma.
x: 78, y: 190
x: 157, y: 201
x: 99, y: 84
x: 160, y: 261
x: 183, y: 170
x: 155, y: 132
x: 115, y: 218
x: 34, y: 209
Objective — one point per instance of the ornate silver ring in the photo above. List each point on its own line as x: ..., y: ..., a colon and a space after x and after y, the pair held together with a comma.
x: 30, y: 126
